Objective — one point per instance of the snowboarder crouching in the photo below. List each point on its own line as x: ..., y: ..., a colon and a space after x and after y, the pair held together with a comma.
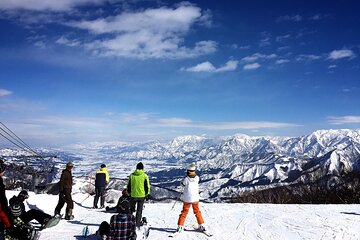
x: 17, y: 208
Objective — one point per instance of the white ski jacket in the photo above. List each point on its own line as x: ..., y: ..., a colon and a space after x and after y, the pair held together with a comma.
x: 191, y: 189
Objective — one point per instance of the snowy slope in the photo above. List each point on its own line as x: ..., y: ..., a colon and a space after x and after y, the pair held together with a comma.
x: 225, y: 221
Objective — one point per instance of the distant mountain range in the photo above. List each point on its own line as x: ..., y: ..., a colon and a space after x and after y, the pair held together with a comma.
x: 230, y: 164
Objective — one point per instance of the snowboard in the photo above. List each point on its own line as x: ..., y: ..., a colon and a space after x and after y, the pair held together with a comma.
x: 52, y: 222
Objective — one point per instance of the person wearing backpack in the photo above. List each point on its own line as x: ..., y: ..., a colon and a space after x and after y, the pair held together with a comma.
x: 101, y: 180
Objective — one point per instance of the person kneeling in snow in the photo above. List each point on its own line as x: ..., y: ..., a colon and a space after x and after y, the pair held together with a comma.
x: 17, y: 208
x: 190, y: 197
x: 117, y: 208
x: 122, y: 225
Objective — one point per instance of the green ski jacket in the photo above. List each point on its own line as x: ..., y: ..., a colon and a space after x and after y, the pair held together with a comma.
x: 139, y: 184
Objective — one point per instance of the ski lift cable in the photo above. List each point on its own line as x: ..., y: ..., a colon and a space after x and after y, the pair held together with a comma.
x: 13, y: 142
x: 17, y: 144
x: 17, y: 138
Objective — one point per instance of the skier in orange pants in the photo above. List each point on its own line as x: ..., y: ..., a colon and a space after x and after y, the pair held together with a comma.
x: 190, y: 197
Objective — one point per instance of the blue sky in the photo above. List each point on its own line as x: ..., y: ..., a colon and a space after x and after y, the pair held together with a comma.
x: 75, y: 71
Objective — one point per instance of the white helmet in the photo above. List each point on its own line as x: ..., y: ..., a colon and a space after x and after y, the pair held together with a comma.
x: 191, y: 167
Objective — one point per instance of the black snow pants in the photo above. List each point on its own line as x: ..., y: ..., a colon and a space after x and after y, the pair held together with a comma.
x: 64, y: 197
x: 36, y: 214
x: 139, y: 202
x: 99, y: 193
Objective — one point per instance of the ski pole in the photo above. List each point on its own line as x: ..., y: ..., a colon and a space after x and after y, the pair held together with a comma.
x: 89, y: 185
x: 178, y: 197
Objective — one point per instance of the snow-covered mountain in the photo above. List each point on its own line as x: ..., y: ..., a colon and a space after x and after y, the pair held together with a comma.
x: 227, y: 165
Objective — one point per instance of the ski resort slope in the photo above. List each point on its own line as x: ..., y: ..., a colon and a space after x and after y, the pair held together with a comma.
x: 224, y: 221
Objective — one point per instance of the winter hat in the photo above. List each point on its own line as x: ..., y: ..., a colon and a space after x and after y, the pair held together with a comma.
x: 23, y: 194
x: 191, y: 167
x: 16, y: 210
x: 2, y: 166
x: 140, y: 165
x: 103, y: 166
x: 69, y: 164
x: 124, y: 206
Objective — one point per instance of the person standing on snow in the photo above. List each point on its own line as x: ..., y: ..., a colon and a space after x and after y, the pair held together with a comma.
x: 139, y: 189
x: 101, y: 180
x: 66, y: 183
x: 190, y: 197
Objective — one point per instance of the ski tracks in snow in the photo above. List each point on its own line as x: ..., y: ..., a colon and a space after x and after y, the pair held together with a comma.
x: 223, y: 220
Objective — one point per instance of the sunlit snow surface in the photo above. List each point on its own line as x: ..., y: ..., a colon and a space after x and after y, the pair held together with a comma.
x: 225, y: 221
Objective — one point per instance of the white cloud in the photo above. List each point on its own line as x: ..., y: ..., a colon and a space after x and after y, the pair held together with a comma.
x: 265, y: 39
x: 201, y: 67
x: 247, y: 125
x: 174, y: 122
x: 332, y: 66
x: 230, y: 65
x: 4, y: 92
x: 264, y: 42
x: 71, y: 43
x: 307, y: 57
x: 339, y: 54
x: 283, y: 37
x: 344, y: 120
x: 41, y: 5
x: 251, y: 66
x: 188, y: 123
x: 64, y: 130
x: 283, y: 48
x: 291, y: 18
x: 244, y: 47
x: 258, y: 56
x: 282, y: 61
x: 152, y: 33
x: 318, y: 16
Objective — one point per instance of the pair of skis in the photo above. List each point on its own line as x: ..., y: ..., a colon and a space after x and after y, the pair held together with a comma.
x: 207, y: 233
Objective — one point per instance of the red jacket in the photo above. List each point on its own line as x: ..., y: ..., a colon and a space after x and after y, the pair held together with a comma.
x: 4, y: 209
x: 4, y: 219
